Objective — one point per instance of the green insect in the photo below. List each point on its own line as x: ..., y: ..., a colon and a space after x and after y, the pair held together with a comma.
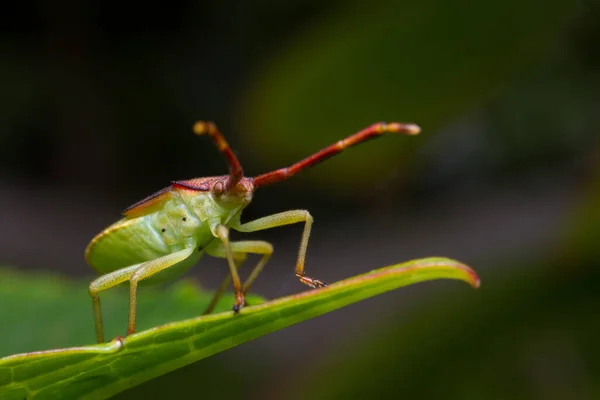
x: 169, y: 231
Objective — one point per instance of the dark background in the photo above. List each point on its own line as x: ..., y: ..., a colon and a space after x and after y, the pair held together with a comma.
x: 98, y: 100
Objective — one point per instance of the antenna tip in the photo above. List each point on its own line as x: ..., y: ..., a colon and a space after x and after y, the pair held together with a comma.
x: 203, y: 127
x: 408, y: 129
x: 412, y: 129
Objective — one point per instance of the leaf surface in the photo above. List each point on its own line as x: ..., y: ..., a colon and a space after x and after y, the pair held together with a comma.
x: 100, y: 371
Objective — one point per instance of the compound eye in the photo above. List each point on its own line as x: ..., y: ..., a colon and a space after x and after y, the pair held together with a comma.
x: 218, y: 188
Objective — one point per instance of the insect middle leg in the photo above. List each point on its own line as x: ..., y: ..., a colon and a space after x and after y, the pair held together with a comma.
x: 133, y: 274
x: 287, y: 218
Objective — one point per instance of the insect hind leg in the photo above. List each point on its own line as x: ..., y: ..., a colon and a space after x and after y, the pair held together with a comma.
x: 106, y: 282
x: 133, y: 274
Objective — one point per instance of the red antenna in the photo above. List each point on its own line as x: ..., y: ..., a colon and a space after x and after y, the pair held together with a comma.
x: 368, y: 133
x: 236, y: 173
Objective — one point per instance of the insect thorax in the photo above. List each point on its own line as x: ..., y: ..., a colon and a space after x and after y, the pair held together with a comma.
x: 188, y: 216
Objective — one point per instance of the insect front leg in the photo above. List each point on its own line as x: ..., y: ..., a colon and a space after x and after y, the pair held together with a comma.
x: 287, y: 218
x: 241, y: 249
x: 239, y: 258
x: 222, y: 232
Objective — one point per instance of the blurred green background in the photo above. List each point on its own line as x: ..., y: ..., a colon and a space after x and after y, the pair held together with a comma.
x: 97, y: 107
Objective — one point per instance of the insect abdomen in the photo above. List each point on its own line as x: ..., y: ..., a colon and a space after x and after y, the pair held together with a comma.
x: 124, y: 243
x: 132, y: 241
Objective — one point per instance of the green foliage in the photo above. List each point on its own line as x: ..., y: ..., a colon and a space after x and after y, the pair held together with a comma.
x: 99, y: 371
x: 45, y: 311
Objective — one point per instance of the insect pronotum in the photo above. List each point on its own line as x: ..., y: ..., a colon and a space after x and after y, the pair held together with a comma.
x: 169, y: 231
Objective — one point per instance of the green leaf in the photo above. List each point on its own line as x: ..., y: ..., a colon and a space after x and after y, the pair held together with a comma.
x: 47, y: 311
x: 490, y: 348
x: 100, y: 371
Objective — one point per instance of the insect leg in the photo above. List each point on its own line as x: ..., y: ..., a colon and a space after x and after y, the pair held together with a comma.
x: 222, y: 232
x: 247, y: 247
x: 239, y: 259
x: 287, y: 218
x: 146, y: 270
x: 102, y: 283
